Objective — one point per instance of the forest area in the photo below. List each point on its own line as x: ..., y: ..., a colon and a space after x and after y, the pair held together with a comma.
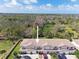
x: 17, y: 26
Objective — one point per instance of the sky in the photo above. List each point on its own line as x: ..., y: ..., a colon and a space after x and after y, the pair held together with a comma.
x: 40, y: 6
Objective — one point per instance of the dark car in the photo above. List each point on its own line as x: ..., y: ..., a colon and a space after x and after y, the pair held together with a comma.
x: 27, y: 57
x: 62, y: 56
x: 45, y: 56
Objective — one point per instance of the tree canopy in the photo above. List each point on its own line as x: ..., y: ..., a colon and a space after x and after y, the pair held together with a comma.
x: 50, y: 26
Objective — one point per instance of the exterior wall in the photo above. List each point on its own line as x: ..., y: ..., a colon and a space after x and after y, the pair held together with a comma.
x: 47, y: 46
x: 48, y: 50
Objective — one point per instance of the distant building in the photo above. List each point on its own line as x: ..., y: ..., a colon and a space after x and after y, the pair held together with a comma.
x: 47, y: 46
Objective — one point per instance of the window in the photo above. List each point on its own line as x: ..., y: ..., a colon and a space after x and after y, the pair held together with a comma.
x: 47, y: 47
x: 38, y: 48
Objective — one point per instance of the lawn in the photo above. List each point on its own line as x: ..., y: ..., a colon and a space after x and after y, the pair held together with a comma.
x: 5, y: 45
x: 77, y: 54
x: 54, y: 56
x: 15, y: 50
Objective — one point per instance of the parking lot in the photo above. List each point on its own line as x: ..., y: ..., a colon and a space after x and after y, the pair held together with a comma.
x: 34, y: 56
x: 71, y: 57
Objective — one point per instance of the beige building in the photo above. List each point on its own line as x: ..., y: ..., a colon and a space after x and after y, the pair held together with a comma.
x: 47, y: 46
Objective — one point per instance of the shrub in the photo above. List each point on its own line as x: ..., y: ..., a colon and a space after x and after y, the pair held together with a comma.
x: 2, y: 51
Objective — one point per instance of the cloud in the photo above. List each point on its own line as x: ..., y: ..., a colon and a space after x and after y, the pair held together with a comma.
x: 15, y: 4
x: 73, y: 0
x: 64, y: 7
x: 5, y: 0
x: 30, y: 1
x: 48, y: 4
x: 23, y: 1
x: 68, y: 7
x: 59, y: 7
x: 12, y: 3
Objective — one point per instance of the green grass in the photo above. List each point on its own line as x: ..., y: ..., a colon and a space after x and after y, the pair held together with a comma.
x: 54, y: 56
x: 5, y: 44
x: 15, y: 50
x: 77, y: 54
